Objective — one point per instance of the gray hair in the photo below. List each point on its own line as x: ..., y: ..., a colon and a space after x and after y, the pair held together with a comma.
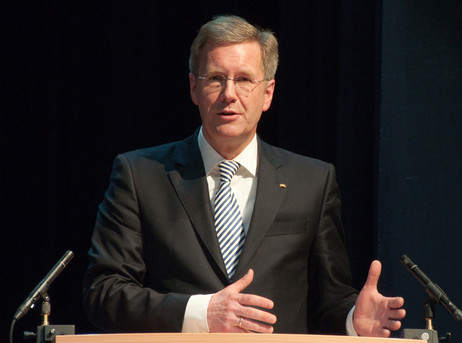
x: 229, y: 29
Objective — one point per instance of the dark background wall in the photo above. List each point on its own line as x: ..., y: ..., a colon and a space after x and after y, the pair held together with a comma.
x: 420, y: 152
x: 372, y: 87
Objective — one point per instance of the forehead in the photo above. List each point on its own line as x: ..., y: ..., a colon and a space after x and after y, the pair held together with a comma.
x: 232, y: 58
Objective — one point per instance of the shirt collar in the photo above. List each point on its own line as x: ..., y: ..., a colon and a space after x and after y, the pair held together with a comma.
x: 247, y: 158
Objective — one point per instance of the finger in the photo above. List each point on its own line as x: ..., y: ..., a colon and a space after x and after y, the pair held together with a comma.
x: 257, y: 314
x: 381, y: 333
x: 252, y: 326
x: 392, y: 325
x: 255, y: 300
x: 374, y: 274
x: 243, y: 282
x: 396, y: 302
x: 398, y: 314
x: 239, y: 327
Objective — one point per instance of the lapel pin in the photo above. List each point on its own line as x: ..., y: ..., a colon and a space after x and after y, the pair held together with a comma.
x: 282, y: 185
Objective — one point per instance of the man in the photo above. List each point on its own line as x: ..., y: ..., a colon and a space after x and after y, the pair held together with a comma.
x: 160, y: 259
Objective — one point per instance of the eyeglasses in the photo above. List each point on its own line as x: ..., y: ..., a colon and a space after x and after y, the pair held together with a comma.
x: 216, y: 83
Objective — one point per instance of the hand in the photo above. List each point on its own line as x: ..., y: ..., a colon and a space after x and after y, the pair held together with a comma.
x: 376, y: 315
x: 230, y: 310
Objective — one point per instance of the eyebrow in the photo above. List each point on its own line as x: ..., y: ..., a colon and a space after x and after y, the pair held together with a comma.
x: 240, y: 72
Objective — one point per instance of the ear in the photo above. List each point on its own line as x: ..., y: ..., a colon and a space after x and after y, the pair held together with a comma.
x: 269, y: 91
x: 193, y: 88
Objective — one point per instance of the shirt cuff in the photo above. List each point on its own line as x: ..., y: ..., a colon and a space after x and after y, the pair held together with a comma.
x: 349, y: 323
x: 195, y: 315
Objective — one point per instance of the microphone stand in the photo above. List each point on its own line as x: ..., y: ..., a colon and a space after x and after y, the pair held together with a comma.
x: 47, y: 332
x: 429, y: 333
x: 435, y: 295
x: 46, y: 309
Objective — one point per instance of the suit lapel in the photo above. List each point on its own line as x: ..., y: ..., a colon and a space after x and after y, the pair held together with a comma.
x: 268, y: 199
x: 188, y: 178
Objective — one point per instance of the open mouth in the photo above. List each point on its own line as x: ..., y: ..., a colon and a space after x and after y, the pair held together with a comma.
x: 227, y: 113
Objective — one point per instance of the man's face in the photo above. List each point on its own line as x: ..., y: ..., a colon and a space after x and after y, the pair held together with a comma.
x: 230, y: 119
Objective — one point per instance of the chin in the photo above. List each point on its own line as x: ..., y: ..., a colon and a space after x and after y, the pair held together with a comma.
x: 229, y: 132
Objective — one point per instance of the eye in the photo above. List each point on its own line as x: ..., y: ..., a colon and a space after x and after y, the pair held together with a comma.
x: 216, y: 78
x: 243, y: 80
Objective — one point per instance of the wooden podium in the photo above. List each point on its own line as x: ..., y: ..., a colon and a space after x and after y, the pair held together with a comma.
x: 223, y: 338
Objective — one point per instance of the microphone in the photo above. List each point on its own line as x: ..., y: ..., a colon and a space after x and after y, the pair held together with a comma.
x: 43, y: 286
x: 433, y: 290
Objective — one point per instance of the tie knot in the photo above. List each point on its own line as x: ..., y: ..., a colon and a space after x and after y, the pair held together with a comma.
x: 227, y: 169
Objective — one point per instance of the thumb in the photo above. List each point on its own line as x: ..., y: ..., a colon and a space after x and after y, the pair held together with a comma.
x: 374, y: 273
x: 243, y: 282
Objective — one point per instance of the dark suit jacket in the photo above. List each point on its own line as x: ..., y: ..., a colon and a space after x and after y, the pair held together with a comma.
x: 154, y: 243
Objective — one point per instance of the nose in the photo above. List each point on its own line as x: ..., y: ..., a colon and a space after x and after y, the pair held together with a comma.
x: 228, y: 93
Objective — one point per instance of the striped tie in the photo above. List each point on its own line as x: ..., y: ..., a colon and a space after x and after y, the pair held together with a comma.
x: 228, y: 220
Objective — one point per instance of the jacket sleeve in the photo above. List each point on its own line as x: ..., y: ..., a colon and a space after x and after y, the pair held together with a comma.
x: 331, y: 295
x: 115, y: 298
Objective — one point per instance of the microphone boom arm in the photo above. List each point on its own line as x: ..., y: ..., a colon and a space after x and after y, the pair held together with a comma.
x: 433, y: 290
x: 42, y: 288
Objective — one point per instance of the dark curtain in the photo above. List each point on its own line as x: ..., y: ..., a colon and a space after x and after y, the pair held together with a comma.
x: 419, y: 171
x: 84, y: 81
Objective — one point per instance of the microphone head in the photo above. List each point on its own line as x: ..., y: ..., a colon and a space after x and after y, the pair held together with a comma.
x: 407, y: 262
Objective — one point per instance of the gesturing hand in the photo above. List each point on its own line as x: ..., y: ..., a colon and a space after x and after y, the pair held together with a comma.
x: 376, y: 315
x: 229, y: 310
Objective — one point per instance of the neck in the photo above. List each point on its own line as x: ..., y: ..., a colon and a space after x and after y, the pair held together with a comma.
x: 229, y: 149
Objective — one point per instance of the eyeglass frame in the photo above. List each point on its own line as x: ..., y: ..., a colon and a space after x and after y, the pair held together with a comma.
x: 224, y: 79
